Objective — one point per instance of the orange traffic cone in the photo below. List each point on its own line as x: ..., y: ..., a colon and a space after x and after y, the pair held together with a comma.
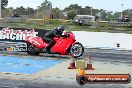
x: 72, y: 63
x: 89, y: 63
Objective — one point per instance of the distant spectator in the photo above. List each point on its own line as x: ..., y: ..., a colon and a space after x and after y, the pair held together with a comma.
x: 14, y: 15
x: 127, y: 19
x: 96, y: 17
x: 124, y: 19
x: 80, y: 21
x: 76, y: 21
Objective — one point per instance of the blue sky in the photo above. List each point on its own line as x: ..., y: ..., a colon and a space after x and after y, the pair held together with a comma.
x: 109, y: 5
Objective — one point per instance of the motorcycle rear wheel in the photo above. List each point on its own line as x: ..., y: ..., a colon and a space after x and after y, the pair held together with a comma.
x: 77, y: 50
x: 32, y: 50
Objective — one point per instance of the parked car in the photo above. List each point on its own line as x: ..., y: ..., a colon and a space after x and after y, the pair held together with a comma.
x: 83, y: 19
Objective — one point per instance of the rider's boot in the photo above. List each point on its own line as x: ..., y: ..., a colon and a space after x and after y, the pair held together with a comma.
x: 48, y: 50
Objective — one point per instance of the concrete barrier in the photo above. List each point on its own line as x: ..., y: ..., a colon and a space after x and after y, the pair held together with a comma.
x: 104, y: 40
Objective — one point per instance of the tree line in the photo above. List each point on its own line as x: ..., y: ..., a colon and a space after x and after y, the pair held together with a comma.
x: 69, y: 12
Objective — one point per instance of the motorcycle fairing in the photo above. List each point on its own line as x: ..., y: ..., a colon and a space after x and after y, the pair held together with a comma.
x: 36, y: 41
x: 62, y: 46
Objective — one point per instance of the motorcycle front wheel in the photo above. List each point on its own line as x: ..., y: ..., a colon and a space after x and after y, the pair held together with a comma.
x: 32, y: 50
x: 77, y: 50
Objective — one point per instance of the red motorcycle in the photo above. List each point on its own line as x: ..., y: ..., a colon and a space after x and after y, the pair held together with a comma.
x: 62, y: 46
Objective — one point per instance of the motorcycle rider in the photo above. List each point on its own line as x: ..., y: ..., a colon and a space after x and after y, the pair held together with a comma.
x: 48, y: 37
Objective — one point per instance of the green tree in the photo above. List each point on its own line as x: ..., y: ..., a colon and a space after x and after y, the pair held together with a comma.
x: 73, y: 10
x: 130, y: 13
x: 87, y: 10
x: 103, y: 14
x: 46, y: 4
x: 109, y: 15
x: 71, y: 14
x: 29, y: 11
x: 4, y: 3
x: 20, y: 10
x: 57, y: 13
x: 73, y: 7
x: 116, y: 15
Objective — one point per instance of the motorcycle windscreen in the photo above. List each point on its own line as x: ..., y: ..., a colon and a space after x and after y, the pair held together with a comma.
x: 62, y: 45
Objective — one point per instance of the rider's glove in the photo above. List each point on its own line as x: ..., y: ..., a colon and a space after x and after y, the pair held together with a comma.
x: 66, y: 35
